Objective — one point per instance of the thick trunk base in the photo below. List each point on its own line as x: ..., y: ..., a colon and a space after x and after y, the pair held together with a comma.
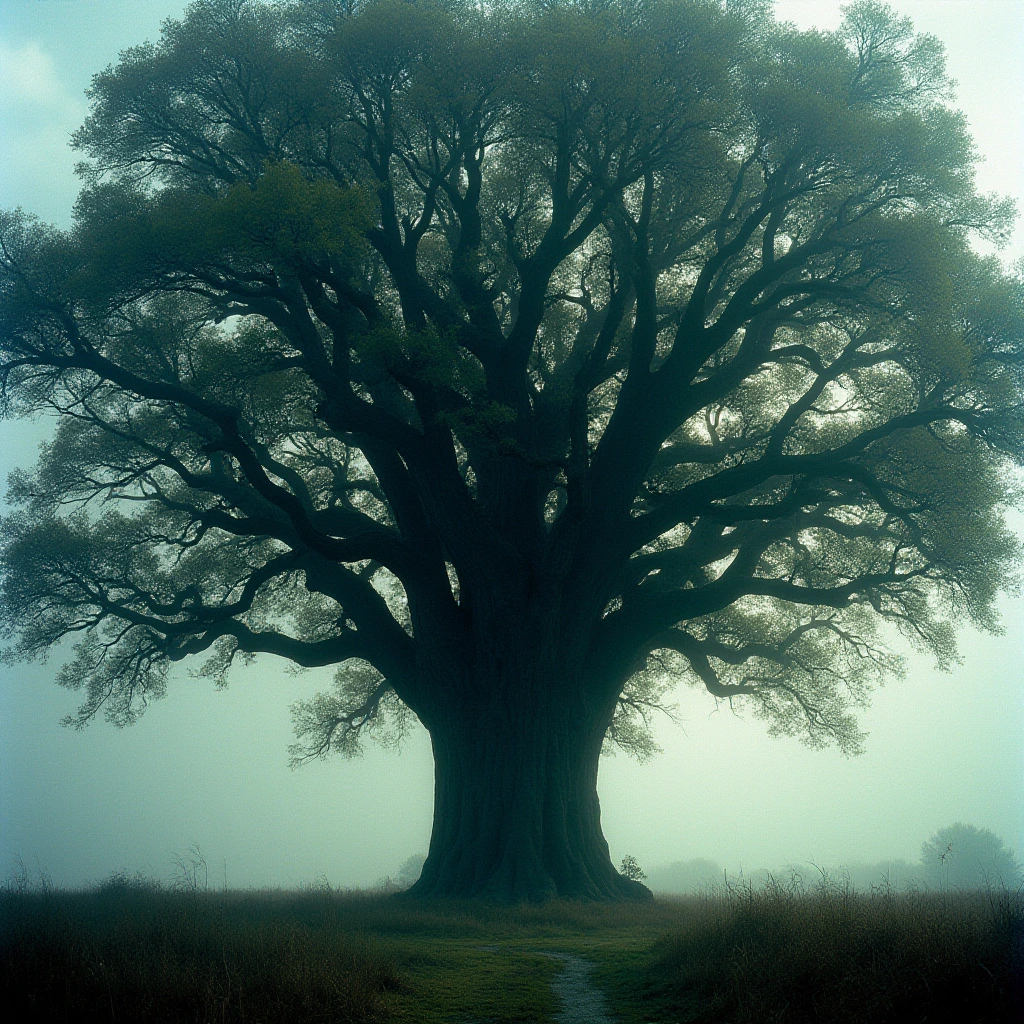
x: 517, y: 816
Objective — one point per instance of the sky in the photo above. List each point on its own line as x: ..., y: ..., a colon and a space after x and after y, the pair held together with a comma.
x: 207, y: 769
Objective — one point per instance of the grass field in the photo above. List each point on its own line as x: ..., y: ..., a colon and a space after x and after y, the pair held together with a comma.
x: 133, y: 951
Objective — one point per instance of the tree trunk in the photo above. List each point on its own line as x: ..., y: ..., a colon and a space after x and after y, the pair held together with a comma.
x: 516, y: 811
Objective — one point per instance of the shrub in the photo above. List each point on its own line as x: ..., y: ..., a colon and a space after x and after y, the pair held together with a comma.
x: 631, y: 869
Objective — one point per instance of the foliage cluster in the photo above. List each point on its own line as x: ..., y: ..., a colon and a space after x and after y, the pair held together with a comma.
x: 683, y: 299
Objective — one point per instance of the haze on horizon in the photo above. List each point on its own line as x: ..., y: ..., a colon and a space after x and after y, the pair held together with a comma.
x: 209, y: 768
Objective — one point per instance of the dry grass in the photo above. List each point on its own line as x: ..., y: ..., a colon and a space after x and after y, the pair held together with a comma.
x: 132, y: 951
x: 782, y: 953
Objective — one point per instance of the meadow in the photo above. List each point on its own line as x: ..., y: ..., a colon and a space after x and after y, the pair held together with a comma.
x: 133, y: 950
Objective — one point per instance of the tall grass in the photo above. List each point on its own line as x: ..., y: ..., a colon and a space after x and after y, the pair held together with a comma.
x: 781, y: 953
x: 784, y: 953
x: 132, y: 951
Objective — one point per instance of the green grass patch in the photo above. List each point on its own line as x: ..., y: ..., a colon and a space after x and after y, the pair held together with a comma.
x: 451, y: 980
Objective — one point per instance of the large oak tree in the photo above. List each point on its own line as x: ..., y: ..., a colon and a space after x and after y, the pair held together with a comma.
x: 517, y: 359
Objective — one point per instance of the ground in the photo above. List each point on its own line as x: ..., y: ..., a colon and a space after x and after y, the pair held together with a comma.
x: 132, y: 951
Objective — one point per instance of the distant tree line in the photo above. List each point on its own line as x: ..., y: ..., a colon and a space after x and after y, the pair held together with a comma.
x: 959, y: 856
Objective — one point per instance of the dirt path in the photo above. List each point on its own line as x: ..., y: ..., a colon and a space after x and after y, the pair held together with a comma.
x: 582, y: 1001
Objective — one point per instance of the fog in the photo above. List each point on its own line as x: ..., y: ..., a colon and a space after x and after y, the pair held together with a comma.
x: 207, y: 769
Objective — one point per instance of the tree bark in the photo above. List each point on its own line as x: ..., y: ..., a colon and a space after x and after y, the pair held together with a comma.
x: 516, y: 812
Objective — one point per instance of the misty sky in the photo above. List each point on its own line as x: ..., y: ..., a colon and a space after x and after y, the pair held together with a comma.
x: 210, y: 768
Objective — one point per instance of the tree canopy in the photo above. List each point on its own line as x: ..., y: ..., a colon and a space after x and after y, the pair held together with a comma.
x: 967, y: 857
x: 515, y: 354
